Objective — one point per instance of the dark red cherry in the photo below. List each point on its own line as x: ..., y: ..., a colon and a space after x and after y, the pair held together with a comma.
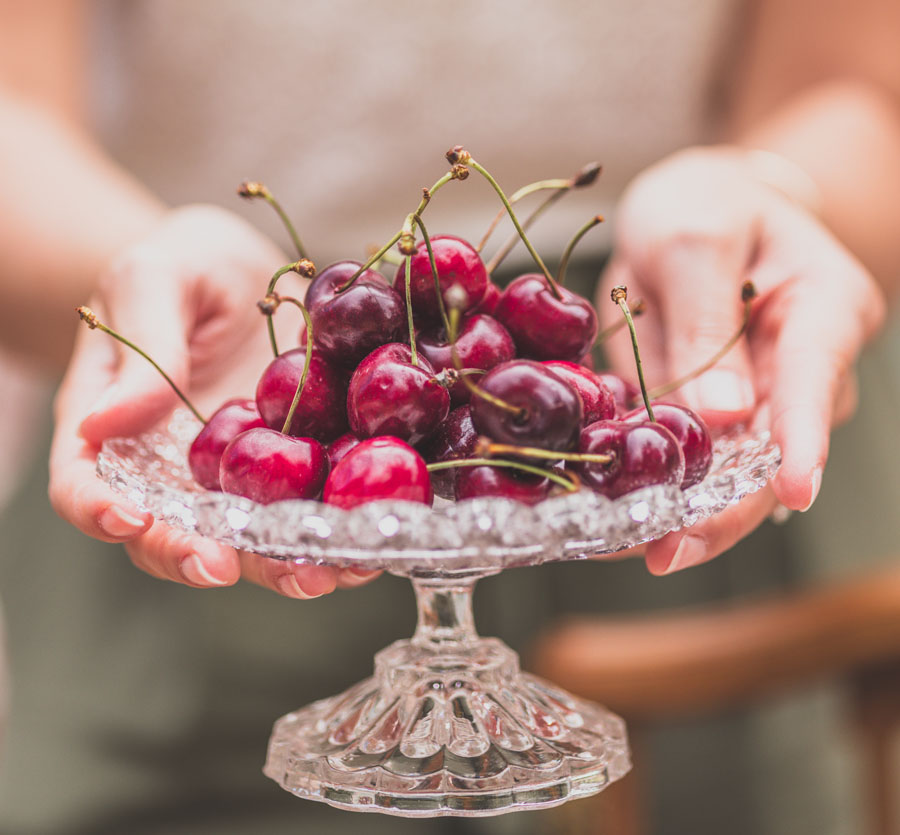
x: 482, y: 343
x: 350, y: 325
x: 320, y: 413
x: 691, y: 433
x: 643, y: 454
x: 503, y: 482
x: 377, y: 469
x: 339, y: 447
x: 551, y: 411
x: 266, y: 466
x: 544, y: 327
x: 388, y: 395
x: 455, y: 438
x: 226, y: 423
x: 488, y: 303
x: 624, y: 393
x: 596, y: 399
x: 458, y: 264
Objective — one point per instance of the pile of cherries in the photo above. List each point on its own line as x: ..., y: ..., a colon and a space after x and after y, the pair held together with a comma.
x: 398, y: 391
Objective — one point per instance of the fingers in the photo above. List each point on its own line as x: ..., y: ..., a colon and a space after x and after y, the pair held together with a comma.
x: 186, y: 558
x: 302, y: 581
x: 351, y: 578
x: 711, y: 537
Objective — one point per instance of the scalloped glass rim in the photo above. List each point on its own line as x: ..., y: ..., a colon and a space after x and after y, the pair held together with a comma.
x: 477, y: 535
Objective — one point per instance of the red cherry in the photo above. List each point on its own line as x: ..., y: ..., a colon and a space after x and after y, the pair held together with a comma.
x: 458, y: 264
x: 482, y: 343
x: 320, y: 413
x: 455, y: 438
x: 388, y: 395
x: 624, y: 393
x: 504, y: 482
x: 643, y: 454
x: 350, y: 325
x: 339, y: 447
x: 691, y: 433
x: 377, y: 469
x: 551, y: 410
x: 544, y: 327
x: 596, y: 398
x: 488, y: 303
x: 231, y: 418
x: 266, y: 466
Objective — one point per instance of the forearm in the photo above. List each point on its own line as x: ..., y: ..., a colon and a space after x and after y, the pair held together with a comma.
x: 65, y: 209
x: 846, y: 137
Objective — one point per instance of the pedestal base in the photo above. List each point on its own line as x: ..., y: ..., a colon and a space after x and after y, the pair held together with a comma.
x: 444, y: 730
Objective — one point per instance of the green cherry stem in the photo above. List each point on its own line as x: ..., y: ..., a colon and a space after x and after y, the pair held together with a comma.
x: 567, y: 253
x: 562, y: 481
x: 637, y: 309
x: 619, y: 296
x: 434, y: 273
x: 457, y: 172
x: 250, y: 189
x: 303, y: 267
x: 93, y: 322
x: 748, y: 294
x: 307, y: 360
x: 409, y: 314
x: 487, y: 448
x: 459, y: 155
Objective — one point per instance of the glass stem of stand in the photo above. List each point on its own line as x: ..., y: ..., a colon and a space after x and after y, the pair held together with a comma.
x: 445, y: 611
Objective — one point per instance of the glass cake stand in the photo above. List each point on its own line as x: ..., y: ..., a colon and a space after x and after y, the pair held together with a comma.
x: 448, y: 724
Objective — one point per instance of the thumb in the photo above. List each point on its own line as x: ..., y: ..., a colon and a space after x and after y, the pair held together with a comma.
x: 148, y: 311
x: 702, y: 310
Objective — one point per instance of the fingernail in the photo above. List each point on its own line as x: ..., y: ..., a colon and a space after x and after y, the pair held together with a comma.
x: 194, y: 571
x: 116, y: 522
x: 690, y: 551
x: 287, y: 584
x: 816, y: 486
x: 720, y: 390
x: 359, y: 571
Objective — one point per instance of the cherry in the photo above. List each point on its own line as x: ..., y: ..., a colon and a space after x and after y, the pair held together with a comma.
x: 643, y: 454
x: 503, y: 482
x: 350, y: 325
x: 596, y: 398
x: 266, y: 466
x: 691, y: 433
x: 339, y: 447
x: 455, y: 438
x: 482, y: 343
x: 488, y: 303
x: 544, y: 327
x: 378, y: 469
x: 458, y: 264
x: 544, y: 411
x: 320, y: 413
x: 388, y: 395
x: 231, y: 418
x: 624, y: 393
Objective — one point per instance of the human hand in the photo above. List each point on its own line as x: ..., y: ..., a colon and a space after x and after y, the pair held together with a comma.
x: 689, y: 232
x: 187, y: 295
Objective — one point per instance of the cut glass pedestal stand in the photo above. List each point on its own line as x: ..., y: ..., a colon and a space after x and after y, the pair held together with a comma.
x: 448, y: 724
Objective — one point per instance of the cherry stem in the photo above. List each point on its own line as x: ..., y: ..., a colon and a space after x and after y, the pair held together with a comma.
x: 409, y: 314
x: 562, y: 481
x: 637, y: 309
x: 567, y: 253
x: 90, y: 319
x: 307, y: 360
x: 434, y: 274
x: 303, y: 267
x: 487, y: 448
x: 512, y: 215
x: 250, y: 189
x: 748, y: 294
x: 620, y: 297
x: 476, y: 391
x: 456, y: 173
x: 388, y: 256
x: 585, y: 177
